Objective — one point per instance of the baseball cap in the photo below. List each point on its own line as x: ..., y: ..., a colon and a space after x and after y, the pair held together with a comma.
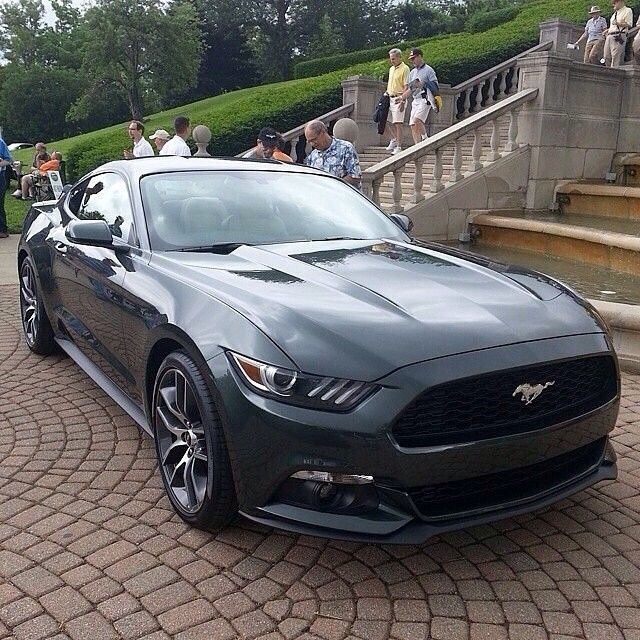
x: 415, y: 52
x: 268, y: 136
x: 160, y: 133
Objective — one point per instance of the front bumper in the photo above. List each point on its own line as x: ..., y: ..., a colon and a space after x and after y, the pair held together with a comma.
x: 269, y: 441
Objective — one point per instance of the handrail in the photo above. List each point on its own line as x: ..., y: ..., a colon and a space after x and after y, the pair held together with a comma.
x: 471, y: 82
x: 329, y: 117
x: 448, y: 135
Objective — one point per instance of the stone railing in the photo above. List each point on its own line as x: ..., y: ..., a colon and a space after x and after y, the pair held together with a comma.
x: 295, y: 137
x: 373, y: 177
x: 492, y: 85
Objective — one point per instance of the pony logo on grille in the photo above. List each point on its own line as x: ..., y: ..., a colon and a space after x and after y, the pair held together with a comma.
x: 531, y: 392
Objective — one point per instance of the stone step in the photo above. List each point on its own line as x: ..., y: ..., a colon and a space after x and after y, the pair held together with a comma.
x: 582, y: 239
x: 600, y: 199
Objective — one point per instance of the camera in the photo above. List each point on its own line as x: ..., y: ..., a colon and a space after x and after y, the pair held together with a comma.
x: 618, y: 38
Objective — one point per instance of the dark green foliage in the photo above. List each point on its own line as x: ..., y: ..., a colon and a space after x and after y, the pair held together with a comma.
x: 484, y: 20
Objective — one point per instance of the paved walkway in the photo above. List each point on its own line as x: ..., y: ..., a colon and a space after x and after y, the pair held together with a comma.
x: 8, y: 268
x: 90, y: 549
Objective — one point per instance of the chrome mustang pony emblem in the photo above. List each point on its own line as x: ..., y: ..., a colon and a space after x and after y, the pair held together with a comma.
x: 531, y: 392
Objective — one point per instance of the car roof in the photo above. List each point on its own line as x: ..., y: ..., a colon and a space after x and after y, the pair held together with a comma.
x: 139, y: 167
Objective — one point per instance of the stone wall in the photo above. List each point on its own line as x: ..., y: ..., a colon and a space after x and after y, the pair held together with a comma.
x: 583, y: 115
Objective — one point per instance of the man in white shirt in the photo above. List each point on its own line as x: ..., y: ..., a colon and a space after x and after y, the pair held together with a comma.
x: 177, y: 145
x: 616, y: 42
x: 141, y: 147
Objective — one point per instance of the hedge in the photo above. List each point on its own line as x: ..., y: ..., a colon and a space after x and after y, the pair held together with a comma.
x: 484, y: 20
x: 317, y: 66
x: 236, y: 117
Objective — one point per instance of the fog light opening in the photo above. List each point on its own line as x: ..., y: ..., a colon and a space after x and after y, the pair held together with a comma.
x: 329, y: 492
x: 335, y: 478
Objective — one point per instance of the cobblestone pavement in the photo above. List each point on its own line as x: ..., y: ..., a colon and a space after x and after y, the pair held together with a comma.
x: 89, y: 547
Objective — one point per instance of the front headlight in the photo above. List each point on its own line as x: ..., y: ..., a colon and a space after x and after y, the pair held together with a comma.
x: 302, y: 389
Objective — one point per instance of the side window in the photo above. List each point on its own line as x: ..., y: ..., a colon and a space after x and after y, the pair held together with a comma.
x: 106, y: 198
x: 74, y: 199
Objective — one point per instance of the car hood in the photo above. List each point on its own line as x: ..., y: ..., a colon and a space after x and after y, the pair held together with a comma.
x: 360, y: 309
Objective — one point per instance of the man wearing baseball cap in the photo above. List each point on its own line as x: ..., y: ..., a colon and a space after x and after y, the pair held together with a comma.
x: 160, y: 138
x: 423, y: 87
x: 594, y: 34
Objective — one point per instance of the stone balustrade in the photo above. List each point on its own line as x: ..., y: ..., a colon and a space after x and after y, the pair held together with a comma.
x: 491, y: 86
x: 374, y: 176
x: 295, y: 137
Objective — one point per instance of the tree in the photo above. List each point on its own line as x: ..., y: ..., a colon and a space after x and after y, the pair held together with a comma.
x: 227, y: 62
x: 274, y: 41
x: 327, y: 41
x: 23, y: 32
x: 144, y: 48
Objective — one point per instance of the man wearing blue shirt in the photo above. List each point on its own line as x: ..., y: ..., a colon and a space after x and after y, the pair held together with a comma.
x: 335, y: 156
x: 5, y: 161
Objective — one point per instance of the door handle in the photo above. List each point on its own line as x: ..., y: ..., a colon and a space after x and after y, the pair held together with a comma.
x: 60, y: 247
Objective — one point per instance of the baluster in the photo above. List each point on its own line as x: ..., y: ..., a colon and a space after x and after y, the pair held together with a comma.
x: 418, y: 181
x: 490, y: 92
x: 294, y: 149
x: 494, y: 154
x: 466, y: 109
x: 457, y: 161
x: 512, y: 140
x: 397, y: 190
x: 502, y: 91
x: 515, y: 83
x: 436, y: 183
x: 476, y: 151
x: 376, y: 190
x: 367, y: 190
x: 478, y: 106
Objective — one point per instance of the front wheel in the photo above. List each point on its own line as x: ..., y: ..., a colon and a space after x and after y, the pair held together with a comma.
x: 190, y: 445
x: 35, y: 322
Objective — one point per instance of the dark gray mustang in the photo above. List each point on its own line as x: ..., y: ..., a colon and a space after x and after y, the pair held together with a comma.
x: 300, y: 360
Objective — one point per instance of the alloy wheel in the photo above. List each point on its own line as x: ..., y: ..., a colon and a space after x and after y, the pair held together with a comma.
x: 29, y: 302
x: 181, y: 440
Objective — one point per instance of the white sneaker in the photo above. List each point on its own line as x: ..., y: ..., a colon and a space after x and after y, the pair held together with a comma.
x: 17, y: 193
x: 424, y: 136
x: 397, y: 150
x: 392, y: 145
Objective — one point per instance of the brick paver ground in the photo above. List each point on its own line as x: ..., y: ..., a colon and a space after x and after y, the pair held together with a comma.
x: 89, y: 547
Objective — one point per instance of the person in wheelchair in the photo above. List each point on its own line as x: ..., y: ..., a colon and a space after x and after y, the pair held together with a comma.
x: 37, y: 182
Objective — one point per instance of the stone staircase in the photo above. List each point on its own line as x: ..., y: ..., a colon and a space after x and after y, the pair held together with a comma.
x: 373, y: 155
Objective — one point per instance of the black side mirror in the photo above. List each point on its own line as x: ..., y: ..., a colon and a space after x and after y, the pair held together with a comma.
x: 95, y: 233
x: 404, y: 222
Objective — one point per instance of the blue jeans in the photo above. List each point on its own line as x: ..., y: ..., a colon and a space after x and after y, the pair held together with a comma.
x: 3, y: 189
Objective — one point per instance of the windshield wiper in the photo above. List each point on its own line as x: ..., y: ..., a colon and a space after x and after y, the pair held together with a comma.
x: 338, y: 238
x: 218, y: 247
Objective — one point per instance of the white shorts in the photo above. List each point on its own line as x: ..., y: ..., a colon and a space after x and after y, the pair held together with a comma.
x: 420, y: 109
x: 397, y: 110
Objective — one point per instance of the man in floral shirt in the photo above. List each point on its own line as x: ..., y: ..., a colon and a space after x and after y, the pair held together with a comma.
x: 335, y: 156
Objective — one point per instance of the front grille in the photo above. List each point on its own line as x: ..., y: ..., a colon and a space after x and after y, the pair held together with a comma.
x: 506, y: 487
x: 485, y: 406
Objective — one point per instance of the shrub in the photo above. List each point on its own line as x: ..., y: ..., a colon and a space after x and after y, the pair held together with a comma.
x: 484, y: 20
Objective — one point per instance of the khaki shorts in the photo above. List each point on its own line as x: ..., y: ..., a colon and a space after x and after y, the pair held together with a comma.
x: 396, y: 110
x: 420, y: 109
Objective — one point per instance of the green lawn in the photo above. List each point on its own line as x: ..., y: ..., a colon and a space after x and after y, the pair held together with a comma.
x: 16, y: 210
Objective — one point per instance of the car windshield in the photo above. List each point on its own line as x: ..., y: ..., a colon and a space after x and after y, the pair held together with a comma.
x: 191, y: 209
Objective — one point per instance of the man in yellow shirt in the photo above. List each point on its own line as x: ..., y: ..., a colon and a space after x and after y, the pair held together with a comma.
x: 398, y: 82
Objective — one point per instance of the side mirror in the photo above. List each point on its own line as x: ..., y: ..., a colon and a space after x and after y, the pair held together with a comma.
x: 404, y: 222
x: 95, y: 233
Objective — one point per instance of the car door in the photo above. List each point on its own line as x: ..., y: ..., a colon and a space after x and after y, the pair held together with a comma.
x: 90, y: 279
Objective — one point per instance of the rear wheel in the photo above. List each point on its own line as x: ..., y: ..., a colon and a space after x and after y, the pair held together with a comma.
x: 35, y: 322
x: 190, y: 445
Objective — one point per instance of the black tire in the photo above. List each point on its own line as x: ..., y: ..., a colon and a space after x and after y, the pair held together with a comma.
x: 36, y: 327
x: 186, y: 426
